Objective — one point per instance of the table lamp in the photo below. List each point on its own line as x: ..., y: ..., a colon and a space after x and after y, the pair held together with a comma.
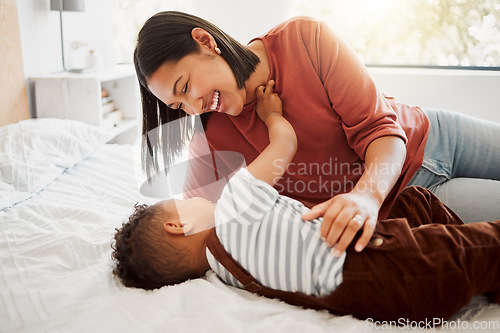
x: 67, y: 6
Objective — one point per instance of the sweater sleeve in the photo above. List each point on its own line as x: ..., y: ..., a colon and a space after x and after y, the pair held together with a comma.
x: 365, y: 113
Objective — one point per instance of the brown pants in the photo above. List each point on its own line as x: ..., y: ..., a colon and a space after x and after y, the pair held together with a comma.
x: 426, y: 266
x: 422, y: 263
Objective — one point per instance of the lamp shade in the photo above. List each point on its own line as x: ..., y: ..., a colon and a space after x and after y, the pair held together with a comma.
x: 68, y: 5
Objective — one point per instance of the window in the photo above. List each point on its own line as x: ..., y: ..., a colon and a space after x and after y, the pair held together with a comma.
x: 463, y: 33
x: 414, y: 32
x: 129, y: 17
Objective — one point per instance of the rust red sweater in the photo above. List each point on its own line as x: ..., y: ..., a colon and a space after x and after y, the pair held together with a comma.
x: 335, y: 108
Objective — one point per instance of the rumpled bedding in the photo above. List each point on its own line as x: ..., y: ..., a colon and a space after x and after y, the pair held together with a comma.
x: 56, y: 268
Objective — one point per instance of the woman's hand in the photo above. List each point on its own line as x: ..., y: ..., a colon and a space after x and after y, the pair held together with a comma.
x: 343, y: 216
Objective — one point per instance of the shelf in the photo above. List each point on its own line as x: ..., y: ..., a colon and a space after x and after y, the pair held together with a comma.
x: 123, y: 126
x: 78, y: 96
x: 105, y: 74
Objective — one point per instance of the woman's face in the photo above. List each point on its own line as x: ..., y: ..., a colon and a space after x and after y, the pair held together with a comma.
x: 198, y: 83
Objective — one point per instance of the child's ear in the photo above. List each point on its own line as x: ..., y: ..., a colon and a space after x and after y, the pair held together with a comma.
x: 178, y: 228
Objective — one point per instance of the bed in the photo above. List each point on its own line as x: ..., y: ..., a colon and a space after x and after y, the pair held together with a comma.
x: 64, y: 190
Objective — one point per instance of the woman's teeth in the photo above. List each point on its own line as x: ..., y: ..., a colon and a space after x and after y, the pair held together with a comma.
x: 215, y: 101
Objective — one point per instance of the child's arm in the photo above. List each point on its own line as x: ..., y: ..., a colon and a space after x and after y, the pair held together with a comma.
x: 270, y: 165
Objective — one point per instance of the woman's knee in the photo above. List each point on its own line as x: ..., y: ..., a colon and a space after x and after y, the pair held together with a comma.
x: 473, y: 199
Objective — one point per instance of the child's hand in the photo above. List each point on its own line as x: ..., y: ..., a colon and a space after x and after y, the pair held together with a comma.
x: 268, y: 102
x: 273, y: 161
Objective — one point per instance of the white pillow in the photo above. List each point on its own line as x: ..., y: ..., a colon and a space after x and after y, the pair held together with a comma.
x: 35, y: 152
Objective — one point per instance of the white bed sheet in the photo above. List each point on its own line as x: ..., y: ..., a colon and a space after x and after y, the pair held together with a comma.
x: 55, y: 269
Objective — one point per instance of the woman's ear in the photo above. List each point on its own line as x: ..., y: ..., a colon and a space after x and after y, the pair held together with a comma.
x: 178, y: 228
x: 203, y: 38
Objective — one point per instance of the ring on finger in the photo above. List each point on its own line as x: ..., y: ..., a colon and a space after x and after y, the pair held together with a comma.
x: 358, y: 219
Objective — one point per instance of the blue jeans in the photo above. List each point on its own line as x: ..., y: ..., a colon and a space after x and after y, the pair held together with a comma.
x: 462, y: 165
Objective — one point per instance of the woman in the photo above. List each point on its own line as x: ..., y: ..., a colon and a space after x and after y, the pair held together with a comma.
x: 357, y: 148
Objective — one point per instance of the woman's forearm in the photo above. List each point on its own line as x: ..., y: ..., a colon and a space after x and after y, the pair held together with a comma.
x: 384, y: 160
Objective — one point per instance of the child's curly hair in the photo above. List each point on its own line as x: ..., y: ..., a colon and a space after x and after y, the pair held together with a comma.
x: 144, y: 256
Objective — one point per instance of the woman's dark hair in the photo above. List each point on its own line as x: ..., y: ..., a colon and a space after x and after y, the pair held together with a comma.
x: 166, y: 36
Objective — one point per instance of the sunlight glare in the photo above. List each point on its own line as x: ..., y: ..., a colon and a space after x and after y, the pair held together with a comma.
x: 376, y: 7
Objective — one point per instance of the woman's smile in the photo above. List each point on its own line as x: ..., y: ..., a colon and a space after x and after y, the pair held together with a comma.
x: 214, y: 103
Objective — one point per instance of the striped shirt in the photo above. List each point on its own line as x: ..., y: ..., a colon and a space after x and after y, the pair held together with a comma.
x: 265, y: 233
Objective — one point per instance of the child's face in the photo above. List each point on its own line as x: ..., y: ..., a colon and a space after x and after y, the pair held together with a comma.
x: 197, y: 212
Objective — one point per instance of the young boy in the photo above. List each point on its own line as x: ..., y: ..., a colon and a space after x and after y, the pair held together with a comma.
x: 421, y: 263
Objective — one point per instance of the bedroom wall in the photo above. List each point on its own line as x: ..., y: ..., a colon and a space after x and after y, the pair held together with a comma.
x: 470, y: 92
x: 40, y: 36
x: 40, y: 33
